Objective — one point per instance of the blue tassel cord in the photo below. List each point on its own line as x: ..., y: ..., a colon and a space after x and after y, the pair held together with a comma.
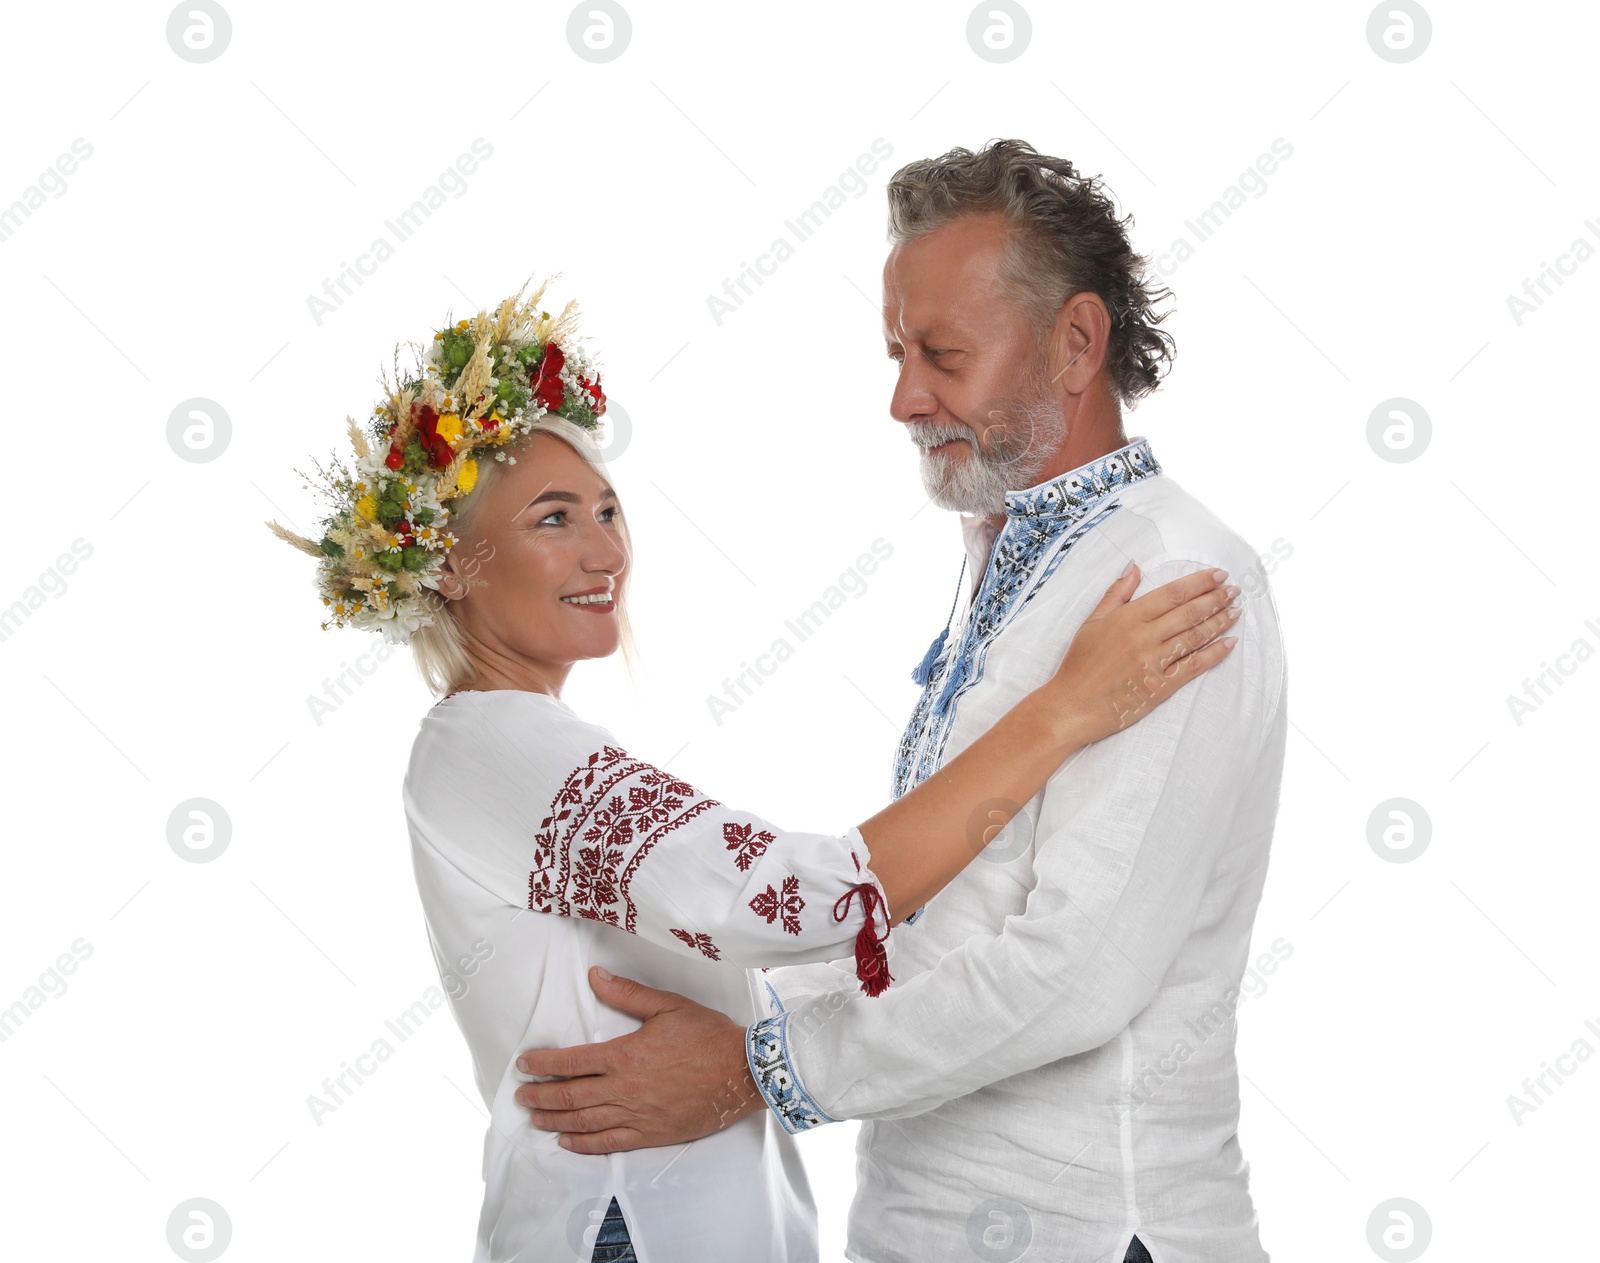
x: 921, y: 673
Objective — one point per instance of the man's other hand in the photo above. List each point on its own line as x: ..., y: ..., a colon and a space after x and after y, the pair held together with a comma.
x: 680, y: 1076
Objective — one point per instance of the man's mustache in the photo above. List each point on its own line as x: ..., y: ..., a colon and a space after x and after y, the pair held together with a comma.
x: 930, y: 434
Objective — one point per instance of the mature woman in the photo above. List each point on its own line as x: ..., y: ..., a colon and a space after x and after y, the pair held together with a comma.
x: 515, y: 803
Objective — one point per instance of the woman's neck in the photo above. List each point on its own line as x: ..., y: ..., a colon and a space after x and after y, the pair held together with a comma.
x: 500, y: 671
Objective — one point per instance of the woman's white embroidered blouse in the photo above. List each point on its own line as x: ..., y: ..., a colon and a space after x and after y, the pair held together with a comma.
x: 517, y: 808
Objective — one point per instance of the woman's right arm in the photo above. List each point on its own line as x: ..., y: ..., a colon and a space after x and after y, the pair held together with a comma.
x: 1126, y: 659
x: 634, y: 846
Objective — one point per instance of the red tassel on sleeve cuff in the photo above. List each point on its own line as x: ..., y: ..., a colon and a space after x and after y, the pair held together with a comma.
x: 872, y: 961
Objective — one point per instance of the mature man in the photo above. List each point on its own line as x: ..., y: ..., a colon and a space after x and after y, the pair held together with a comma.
x: 1052, y: 1071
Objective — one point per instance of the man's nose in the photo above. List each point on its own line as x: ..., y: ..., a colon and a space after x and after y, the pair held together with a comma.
x: 913, y: 400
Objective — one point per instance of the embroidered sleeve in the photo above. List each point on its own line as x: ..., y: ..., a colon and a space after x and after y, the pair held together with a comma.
x: 767, y: 1051
x: 631, y: 845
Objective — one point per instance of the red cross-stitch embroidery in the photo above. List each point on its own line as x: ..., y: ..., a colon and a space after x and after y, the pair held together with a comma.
x: 603, y: 821
x: 700, y: 942
x: 749, y: 848
x: 771, y: 905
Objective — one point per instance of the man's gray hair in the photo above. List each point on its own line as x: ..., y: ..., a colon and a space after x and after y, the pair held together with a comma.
x: 1066, y: 239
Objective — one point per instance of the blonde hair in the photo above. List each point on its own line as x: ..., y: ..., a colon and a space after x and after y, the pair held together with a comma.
x: 439, y: 649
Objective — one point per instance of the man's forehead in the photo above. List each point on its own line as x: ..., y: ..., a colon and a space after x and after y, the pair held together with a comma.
x: 920, y: 315
x: 902, y: 325
x: 933, y: 285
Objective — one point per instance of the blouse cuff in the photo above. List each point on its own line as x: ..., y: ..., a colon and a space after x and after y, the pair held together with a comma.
x: 872, y: 957
x: 767, y: 1051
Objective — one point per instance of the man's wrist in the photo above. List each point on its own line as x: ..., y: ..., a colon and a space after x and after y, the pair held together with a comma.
x: 739, y: 1095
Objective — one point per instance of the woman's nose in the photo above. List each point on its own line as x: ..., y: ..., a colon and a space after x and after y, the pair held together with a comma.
x: 605, y: 552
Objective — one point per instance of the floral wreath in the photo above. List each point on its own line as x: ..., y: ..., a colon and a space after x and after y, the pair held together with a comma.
x: 480, y: 385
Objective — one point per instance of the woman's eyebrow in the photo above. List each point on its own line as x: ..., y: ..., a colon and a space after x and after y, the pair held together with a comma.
x: 567, y: 497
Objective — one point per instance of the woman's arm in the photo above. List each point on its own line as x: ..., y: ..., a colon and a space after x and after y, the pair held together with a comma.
x: 1126, y: 659
x: 633, y: 845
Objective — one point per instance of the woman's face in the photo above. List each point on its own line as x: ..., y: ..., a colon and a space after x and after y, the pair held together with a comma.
x: 546, y: 532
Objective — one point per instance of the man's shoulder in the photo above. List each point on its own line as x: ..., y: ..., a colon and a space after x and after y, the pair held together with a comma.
x: 1167, y: 522
x: 1174, y: 533
x: 1169, y: 532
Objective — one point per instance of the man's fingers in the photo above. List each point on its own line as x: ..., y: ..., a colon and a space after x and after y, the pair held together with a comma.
x: 600, y: 1118
x: 631, y: 996
x: 613, y: 1141
x: 567, y: 1094
x: 580, y: 1059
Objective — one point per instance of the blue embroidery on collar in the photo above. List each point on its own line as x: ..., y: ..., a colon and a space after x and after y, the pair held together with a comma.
x: 1042, y: 525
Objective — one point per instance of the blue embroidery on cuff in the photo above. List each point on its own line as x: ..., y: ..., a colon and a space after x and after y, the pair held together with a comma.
x: 767, y: 1051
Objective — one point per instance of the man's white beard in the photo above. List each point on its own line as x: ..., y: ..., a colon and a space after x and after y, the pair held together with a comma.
x: 1022, y: 436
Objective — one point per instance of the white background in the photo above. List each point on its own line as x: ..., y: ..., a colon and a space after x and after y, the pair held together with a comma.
x: 176, y: 660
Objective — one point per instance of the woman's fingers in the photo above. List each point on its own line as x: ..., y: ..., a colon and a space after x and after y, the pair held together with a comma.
x: 1122, y: 587
x: 1134, y: 652
x: 1156, y: 687
x: 1202, y: 660
x: 1190, y: 639
x: 1198, y: 623
x: 1193, y: 612
x: 1171, y: 597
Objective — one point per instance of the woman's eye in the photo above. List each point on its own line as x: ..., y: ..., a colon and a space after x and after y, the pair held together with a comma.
x: 607, y: 514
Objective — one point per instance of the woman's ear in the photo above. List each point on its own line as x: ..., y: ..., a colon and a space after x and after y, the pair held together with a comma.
x: 450, y: 585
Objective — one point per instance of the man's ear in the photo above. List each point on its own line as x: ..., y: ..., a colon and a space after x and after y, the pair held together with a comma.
x: 1079, y: 342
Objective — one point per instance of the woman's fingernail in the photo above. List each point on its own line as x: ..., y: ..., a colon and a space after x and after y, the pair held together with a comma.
x: 602, y: 973
x: 1221, y: 576
x: 522, y: 1065
x: 1126, y: 572
x: 1232, y: 590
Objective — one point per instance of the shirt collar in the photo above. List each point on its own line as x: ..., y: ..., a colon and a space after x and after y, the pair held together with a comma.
x: 1071, y: 493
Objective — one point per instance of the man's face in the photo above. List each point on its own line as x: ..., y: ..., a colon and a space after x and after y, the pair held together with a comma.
x: 972, y: 388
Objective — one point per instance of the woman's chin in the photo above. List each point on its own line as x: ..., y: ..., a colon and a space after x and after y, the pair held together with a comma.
x: 600, y: 646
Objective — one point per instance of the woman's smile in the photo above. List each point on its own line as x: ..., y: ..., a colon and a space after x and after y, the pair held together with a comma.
x: 600, y: 600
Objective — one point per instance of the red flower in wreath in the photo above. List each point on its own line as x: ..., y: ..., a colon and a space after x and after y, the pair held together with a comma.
x: 547, y: 386
x: 438, y: 448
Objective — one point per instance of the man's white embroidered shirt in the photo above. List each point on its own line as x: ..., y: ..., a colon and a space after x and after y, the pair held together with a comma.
x: 1055, y: 1058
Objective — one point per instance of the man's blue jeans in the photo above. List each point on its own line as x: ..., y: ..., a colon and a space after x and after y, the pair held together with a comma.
x: 613, y: 1245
